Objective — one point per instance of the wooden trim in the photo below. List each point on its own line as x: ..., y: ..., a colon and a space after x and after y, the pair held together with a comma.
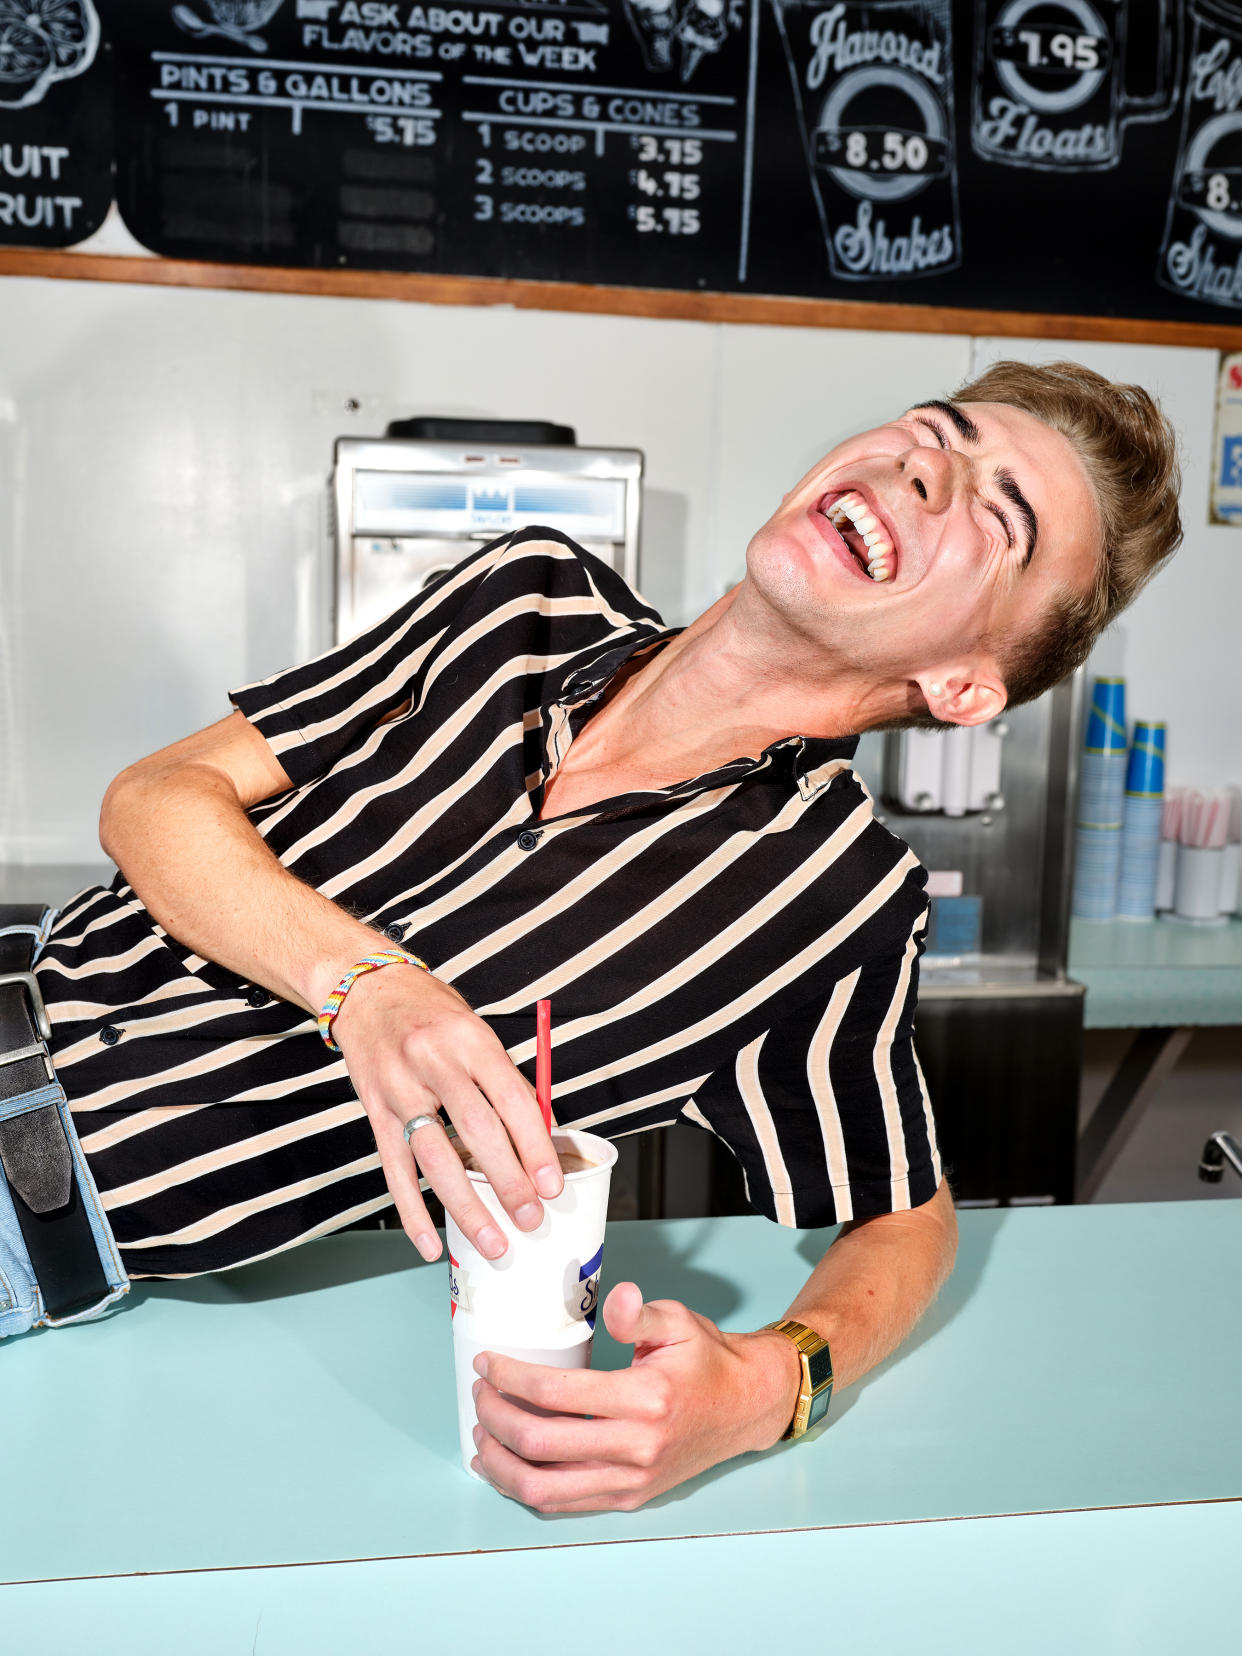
x: 613, y: 301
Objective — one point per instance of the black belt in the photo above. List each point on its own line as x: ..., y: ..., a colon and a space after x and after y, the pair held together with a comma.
x: 34, y: 1151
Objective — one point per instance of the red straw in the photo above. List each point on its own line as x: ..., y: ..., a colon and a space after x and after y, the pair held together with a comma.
x: 543, y: 1060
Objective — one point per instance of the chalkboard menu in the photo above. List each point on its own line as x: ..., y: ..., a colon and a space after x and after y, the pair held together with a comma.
x: 55, y: 123
x: 583, y: 141
x: 1082, y: 156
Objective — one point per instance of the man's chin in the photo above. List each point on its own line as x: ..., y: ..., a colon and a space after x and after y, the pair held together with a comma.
x: 791, y: 599
x: 800, y: 611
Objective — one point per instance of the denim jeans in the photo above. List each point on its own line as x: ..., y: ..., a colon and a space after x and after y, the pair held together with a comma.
x: 21, y: 1302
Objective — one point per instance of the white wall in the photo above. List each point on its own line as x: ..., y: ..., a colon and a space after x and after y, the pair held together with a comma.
x: 164, y: 453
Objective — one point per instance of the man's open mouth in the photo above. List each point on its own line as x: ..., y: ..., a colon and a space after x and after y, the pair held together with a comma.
x: 864, y: 535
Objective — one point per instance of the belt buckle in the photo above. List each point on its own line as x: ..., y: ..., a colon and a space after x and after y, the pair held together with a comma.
x: 42, y: 1022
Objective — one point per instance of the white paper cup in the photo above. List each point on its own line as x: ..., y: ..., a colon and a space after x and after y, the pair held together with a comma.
x: 1196, y: 892
x: 538, y: 1300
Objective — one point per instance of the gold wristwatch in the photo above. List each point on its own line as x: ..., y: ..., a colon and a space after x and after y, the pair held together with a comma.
x: 816, y: 1387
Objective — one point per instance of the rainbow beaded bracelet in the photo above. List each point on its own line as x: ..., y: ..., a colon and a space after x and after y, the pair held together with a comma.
x: 369, y: 963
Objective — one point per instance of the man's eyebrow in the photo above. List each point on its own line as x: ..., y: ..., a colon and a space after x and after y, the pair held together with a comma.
x: 969, y: 432
x: 966, y: 428
x: 1008, y: 485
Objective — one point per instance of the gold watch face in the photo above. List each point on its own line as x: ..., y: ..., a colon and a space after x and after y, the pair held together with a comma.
x: 819, y: 1406
x: 816, y: 1388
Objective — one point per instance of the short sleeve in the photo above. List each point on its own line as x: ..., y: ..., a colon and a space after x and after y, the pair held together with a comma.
x: 311, y: 715
x: 827, y: 1111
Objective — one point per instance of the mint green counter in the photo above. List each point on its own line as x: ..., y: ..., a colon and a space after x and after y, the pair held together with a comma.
x: 1149, y: 973
x: 266, y: 1462
x: 1142, y: 1581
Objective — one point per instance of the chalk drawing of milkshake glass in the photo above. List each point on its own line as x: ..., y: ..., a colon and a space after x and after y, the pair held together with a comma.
x: 41, y: 42
x: 874, y: 88
x: 1050, y: 79
x: 1201, y: 255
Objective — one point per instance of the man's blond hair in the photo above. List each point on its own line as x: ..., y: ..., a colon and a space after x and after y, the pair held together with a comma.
x: 1129, y: 452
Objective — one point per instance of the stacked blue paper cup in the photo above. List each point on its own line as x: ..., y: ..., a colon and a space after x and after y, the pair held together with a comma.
x: 1140, y: 834
x: 1101, y: 803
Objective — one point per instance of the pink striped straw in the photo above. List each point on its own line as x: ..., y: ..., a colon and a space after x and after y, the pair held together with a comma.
x: 1192, y: 818
x: 1171, y: 817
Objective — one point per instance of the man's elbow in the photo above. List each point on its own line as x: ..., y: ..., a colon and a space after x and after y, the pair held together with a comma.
x: 130, y: 801
x: 115, y: 810
x: 943, y: 1214
x: 931, y: 1228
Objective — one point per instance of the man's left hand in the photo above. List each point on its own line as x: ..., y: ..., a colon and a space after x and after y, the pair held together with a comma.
x: 693, y: 1396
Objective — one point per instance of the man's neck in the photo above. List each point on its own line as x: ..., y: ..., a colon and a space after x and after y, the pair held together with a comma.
x: 728, y: 686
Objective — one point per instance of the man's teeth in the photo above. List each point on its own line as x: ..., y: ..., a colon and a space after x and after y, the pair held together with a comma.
x: 852, y: 508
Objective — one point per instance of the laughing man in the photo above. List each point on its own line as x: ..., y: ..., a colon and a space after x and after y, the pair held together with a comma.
x: 525, y: 780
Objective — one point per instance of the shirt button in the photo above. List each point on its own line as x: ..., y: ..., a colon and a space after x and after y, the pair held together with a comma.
x: 396, y: 931
x: 109, y: 1036
x: 527, y: 841
x: 258, y: 997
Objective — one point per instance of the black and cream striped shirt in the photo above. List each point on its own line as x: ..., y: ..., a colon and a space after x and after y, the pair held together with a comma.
x: 739, y: 951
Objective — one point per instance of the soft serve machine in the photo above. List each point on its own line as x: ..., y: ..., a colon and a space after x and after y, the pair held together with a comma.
x: 410, y: 505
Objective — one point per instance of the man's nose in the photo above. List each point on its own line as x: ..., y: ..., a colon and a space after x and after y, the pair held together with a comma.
x: 934, y: 475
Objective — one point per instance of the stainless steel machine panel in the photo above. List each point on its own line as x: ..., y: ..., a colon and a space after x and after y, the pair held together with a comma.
x: 405, y: 510
x: 1016, y: 857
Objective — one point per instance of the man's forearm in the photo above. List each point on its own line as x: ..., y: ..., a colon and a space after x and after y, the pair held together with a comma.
x: 875, y: 1282
x: 863, y: 1297
x: 184, y: 842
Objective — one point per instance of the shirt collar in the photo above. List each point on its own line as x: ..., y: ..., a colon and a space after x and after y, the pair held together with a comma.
x: 794, y: 755
x: 818, y: 750
x: 588, y: 673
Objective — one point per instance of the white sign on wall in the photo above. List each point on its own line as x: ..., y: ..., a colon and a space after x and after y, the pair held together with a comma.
x: 1227, y: 447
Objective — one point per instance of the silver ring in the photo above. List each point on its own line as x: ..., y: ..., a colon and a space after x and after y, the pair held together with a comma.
x: 415, y: 1122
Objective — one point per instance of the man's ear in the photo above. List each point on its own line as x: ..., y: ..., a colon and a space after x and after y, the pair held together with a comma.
x: 964, y: 696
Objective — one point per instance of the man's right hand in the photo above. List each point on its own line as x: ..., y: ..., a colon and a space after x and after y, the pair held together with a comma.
x: 413, y: 1047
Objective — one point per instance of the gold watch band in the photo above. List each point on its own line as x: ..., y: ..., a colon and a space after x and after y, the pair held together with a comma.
x: 816, y: 1387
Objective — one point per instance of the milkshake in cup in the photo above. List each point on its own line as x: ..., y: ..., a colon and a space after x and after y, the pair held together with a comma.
x: 538, y: 1300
